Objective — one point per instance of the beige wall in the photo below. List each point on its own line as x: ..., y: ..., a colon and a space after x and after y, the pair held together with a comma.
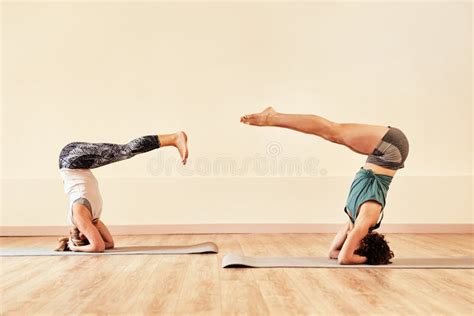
x: 107, y: 72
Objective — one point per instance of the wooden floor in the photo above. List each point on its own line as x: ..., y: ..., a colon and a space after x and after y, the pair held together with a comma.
x: 195, y: 284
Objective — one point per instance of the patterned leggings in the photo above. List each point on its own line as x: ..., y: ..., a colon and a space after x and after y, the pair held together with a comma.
x: 79, y: 155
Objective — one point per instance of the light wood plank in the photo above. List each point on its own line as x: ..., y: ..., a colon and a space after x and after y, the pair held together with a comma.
x: 195, y: 284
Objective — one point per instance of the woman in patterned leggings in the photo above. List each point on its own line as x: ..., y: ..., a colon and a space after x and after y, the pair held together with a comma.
x: 89, y: 233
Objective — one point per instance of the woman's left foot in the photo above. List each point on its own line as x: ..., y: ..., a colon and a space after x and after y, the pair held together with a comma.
x: 182, y: 145
x: 259, y: 119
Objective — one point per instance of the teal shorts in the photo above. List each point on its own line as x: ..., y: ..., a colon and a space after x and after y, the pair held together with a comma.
x: 367, y: 186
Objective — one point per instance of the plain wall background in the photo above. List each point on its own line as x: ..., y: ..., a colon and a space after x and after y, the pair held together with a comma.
x: 109, y: 72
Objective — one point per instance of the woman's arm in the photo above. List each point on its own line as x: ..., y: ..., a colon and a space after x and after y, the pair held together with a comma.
x: 105, y: 234
x: 368, y: 215
x: 346, y: 255
x: 83, y: 220
x: 338, y: 241
x: 86, y: 248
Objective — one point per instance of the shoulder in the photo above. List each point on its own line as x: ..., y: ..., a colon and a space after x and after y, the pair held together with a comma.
x: 369, y: 211
x: 81, y: 213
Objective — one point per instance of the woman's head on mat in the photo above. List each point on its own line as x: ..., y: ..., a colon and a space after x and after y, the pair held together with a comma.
x: 356, y: 243
x: 75, y: 236
x: 375, y: 248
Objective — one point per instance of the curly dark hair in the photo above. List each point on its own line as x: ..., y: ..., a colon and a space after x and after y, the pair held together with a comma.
x: 375, y: 248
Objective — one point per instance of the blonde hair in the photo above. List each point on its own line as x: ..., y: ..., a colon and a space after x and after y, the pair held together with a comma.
x: 74, y: 237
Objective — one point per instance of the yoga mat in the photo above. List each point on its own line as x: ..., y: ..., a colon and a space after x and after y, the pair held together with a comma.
x: 237, y: 261
x: 207, y: 247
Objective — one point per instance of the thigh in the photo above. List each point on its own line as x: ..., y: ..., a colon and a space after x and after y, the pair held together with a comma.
x: 361, y: 138
x: 81, y: 155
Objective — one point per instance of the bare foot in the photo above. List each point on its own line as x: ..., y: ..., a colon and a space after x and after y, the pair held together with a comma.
x: 181, y: 144
x: 178, y: 140
x: 258, y: 119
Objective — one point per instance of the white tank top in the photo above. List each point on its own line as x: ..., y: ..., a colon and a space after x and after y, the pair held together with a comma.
x: 81, y: 183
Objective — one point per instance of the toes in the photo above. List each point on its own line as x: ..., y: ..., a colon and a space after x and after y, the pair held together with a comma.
x: 184, y: 155
x: 250, y: 119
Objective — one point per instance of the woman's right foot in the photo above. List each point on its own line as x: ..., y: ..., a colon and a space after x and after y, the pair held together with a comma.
x: 181, y: 144
x: 259, y: 119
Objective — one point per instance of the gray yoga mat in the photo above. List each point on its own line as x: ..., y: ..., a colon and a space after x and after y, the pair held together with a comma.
x: 207, y: 247
x: 237, y: 261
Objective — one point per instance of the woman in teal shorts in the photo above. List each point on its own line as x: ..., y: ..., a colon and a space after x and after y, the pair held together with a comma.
x: 387, y: 150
